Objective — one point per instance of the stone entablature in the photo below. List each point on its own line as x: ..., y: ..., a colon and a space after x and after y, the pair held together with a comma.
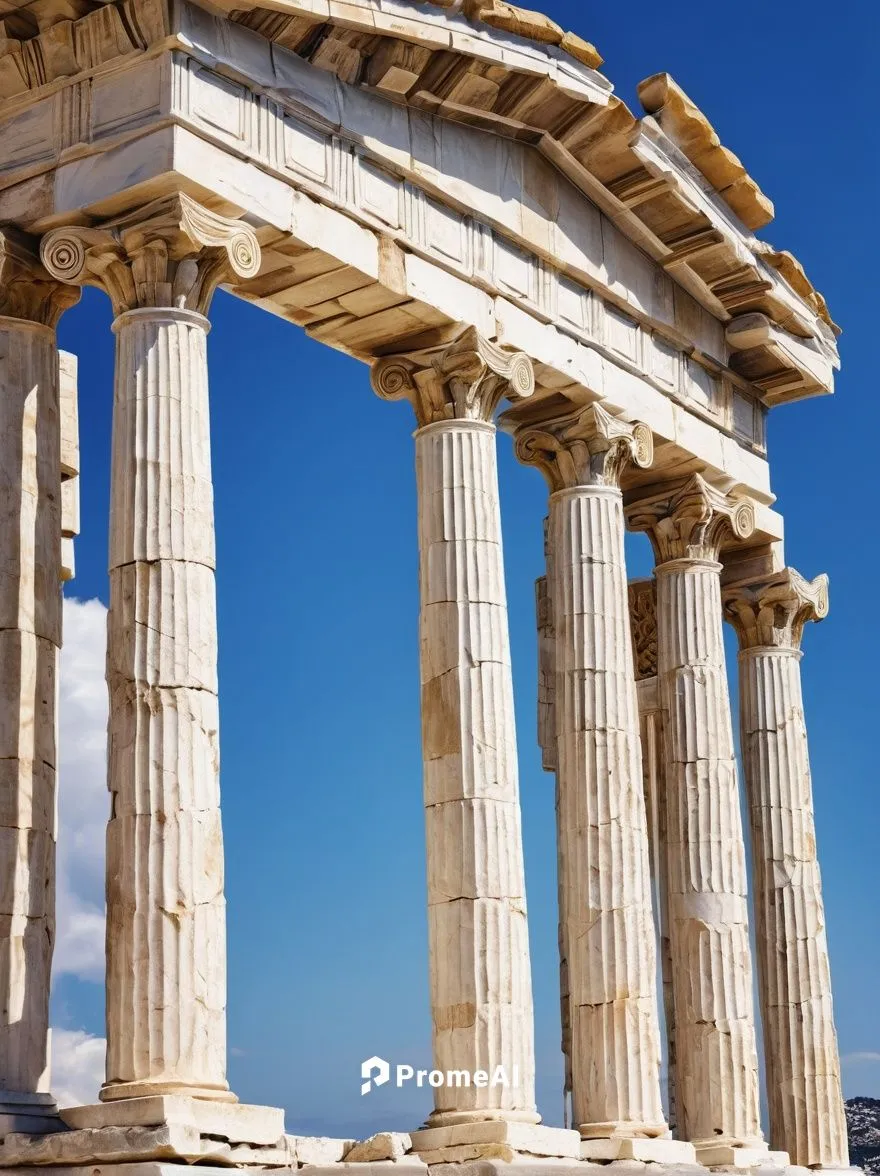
x: 528, y: 292
x: 740, y: 274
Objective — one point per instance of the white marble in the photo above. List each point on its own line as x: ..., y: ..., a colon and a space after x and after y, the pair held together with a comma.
x: 166, y: 911
x: 807, y: 1117
x: 30, y: 637
x: 716, y: 1052
x: 604, y: 870
x: 481, y: 993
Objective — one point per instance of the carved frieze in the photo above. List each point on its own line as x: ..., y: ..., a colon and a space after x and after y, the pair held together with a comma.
x: 69, y: 47
x: 643, y: 624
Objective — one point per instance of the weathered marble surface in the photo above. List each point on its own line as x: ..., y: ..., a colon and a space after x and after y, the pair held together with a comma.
x: 603, y: 841
x: 643, y: 625
x: 716, y: 1052
x: 481, y: 993
x: 166, y: 957
x: 400, y: 204
x: 807, y: 1116
x: 30, y: 637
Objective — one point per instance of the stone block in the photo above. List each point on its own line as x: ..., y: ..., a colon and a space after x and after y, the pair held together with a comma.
x: 69, y: 413
x: 315, y: 1150
x: 654, y: 1151
x: 386, y: 1145
x: 107, y: 1145
x: 718, y: 1155
x: 236, y: 1122
x: 498, y: 1139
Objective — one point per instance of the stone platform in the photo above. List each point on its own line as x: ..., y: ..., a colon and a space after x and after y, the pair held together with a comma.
x: 409, y: 1165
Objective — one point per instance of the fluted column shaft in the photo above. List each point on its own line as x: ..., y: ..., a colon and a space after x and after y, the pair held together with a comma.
x: 166, y: 929
x: 800, y: 1044
x: 654, y: 775
x: 166, y: 912
x: 716, y: 1056
x: 481, y: 995
x: 603, y: 852
x: 30, y: 636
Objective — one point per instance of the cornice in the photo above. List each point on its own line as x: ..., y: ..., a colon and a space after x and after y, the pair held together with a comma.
x: 517, y: 74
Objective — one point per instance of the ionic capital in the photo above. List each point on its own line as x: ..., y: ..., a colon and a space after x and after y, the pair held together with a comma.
x: 462, y: 381
x: 173, y: 253
x: 643, y: 625
x: 771, y: 613
x: 691, y: 522
x: 27, y: 291
x: 587, y: 448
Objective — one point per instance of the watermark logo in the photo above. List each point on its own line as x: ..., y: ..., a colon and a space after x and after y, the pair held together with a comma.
x: 376, y: 1071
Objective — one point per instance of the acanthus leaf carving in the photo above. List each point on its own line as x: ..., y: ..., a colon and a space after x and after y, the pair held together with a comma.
x: 588, y: 448
x: 464, y: 380
x: 643, y: 625
x: 771, y: 613
x: 692, y: 521
x: 173, y: 252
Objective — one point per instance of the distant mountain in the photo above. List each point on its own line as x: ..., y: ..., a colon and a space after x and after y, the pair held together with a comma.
x: 863, y: 1123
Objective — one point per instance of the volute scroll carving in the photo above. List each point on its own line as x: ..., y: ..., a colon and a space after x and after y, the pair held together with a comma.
x: 172, y: 253
x: 771, y: 613
x: 465, y: 380
x: 27, y: 290
x: 693, y: 521
x: 588, y: 448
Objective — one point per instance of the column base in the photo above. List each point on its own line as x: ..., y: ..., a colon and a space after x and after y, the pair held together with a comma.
x: 36, y: 1114
x: 162, y: 1127
x: 498, y: 1139
x: 649, y: 1151
x: 116, y: 1091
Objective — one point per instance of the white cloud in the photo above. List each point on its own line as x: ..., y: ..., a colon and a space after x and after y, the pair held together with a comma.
x: 83, y: 800
x: 860, y: 1058
x: 77, y: 1066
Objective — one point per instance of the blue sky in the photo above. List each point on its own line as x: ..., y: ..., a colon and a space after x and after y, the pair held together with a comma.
x: 318, y: 604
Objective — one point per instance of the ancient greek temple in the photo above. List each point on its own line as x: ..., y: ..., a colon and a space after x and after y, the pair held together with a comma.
x: 451, y: 193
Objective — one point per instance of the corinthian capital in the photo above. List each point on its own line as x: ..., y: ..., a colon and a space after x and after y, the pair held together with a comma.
x: 587, y: 448
x: 771, y: 613
x: 462, y: 381
x: 693, y: 521
x: 171, y: 253
x: 27, y: 291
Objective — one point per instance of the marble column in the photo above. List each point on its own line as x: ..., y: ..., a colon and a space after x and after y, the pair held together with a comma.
x: 166, y: 958
x: 716, y: 1053
x: 547, y: 744
x: 602, y: 830
x: 30, y: 636
x: 643, y: 623
x: 481, y: 992
x: 800, y: 1043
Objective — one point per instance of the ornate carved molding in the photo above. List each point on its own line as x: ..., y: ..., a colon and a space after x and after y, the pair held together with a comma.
x: 643, y: 624
x: 171, y: 253
x: 589, y: 448
x: 772, y: 613
x: 692, y: 521
x: 465, y: 380
x: 27, y: 291
x: 69, y: 43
